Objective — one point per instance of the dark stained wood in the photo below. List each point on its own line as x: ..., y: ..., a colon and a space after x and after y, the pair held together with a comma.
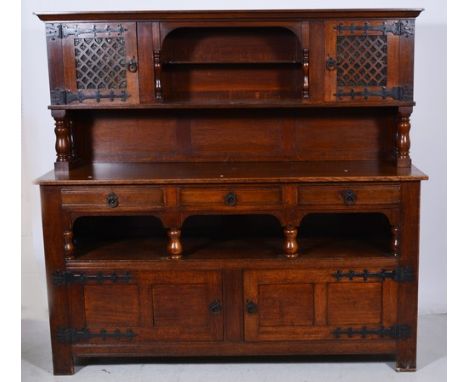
x: 62, y: 356
x: 145, y: 56
x: 354, y: 304
x: 230, y: 14
x: 225, y: 165
x: 233, y: 305
x: 408, y: 293
x: 231, y: 172
x: 111, y: 306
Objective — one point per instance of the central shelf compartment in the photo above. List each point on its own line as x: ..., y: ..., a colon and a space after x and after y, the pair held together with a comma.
x: 231, y: 237
x: 248, y: 63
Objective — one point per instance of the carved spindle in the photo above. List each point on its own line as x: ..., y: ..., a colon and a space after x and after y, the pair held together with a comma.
x: 403, y: 139
x: 305, y: 68
x: 157, y: 74
x: 395, y: 240
x: 174, y: 247
x: 62, y: 134
x: 69, y: 247
x: 72, y: 139
x: 290, y: 243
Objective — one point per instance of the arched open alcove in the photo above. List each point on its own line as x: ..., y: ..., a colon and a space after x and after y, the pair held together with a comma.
x: 101, y: 237
x: 232, y: 236
x: 203, y: 63
x: 346, y: 233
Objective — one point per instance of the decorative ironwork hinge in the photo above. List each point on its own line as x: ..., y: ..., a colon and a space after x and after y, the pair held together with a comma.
x: 65, y: 97
x: 398, y: 332
x: 54, y: 31
x: 66, y: 277
x: 400, y: 274
x: 399, y: 93
x: 398, y: 28
x: 61, y: 31
x: 72, y: 335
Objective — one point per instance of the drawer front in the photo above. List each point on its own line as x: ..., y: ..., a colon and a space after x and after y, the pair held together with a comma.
x: 113, y: 197
x: 230, y: 197
x: 349, y: 195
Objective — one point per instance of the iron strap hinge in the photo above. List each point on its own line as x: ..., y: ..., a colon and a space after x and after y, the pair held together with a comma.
x: 400, y: 274
x: 398, y: 332
x: 54, y: 31
x: 66, y: 277
x: 72, y: 335
x: 398, y: 28
x: 65, y: 97
x: 399, y: 93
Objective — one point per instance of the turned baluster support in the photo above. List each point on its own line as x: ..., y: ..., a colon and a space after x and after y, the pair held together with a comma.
x: 157, y: 74
x: 63, y: 141
x: 403, y: 142
x: 69, y: 247
x: 72, y: 140
x: 174, y: 247
x: 290, y: 246
x: 305, y: 69
x: 395, y: 240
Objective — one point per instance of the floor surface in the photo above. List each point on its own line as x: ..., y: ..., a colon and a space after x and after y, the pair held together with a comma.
x: 432, y: 364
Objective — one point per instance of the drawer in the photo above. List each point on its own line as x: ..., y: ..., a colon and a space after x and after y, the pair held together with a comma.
x: 113, y: 197
x: 349, y: 195
x: 230, y: 196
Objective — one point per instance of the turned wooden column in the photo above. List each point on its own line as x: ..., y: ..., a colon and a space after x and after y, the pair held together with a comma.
x: 403, y: 142
x: 157, y: 74
x: 69, y: 247
x: 395, y: 240
x: 290, y: 246
x: 174, y: 247
x: 63, y: 142
x: 305, y: 69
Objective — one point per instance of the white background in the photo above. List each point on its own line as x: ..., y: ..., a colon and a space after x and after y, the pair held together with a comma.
x: 428, y: 134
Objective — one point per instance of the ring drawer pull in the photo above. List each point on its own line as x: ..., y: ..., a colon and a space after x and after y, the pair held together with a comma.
x: 330, y: 64
x: 132, y: 65
x: 112, y: 200
x: 230, y: 199
x: 349, y: 197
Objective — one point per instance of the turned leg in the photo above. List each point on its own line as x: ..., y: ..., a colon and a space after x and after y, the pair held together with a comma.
x: 290, y: 246
x: 174, y: 247
x: 403, y: 138
x: 395, y: 240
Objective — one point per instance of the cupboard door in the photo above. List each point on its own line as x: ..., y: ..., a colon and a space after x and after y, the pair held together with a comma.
x: 152, y: 306
x: 187, y: 306
x: 368, y: 60
x: 282, y: 305
x: 100, y: 64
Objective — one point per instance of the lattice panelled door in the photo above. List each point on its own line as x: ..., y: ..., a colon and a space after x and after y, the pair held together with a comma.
x: 100, y: 63
x: 361, y: 60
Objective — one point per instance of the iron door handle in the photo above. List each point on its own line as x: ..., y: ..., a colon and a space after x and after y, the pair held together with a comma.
x: 132, y: 65
x: 251, y: 307
x: 215, y: 307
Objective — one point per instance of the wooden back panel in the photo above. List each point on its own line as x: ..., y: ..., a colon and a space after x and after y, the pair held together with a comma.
x: 236, y: 135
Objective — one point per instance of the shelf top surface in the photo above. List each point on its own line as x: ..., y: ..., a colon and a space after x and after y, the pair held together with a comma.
x: 235, y: 104
x: 232, y: 172
x: 229, y: 14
